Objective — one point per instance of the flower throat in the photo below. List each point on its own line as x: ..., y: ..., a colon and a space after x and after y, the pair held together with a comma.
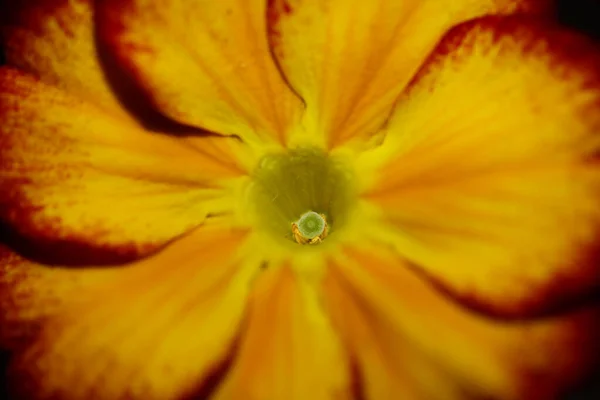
x: 302, y: 195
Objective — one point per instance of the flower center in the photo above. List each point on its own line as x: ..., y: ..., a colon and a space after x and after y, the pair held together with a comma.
x: 311, y: 228
x: 302, y: 195
x: 311, y: 225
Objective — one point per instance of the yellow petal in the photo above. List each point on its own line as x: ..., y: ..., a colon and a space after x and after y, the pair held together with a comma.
x: 154, y: 329
x: 78, y: 183
x: 411, y: 342
x: 489, y: 177
x: 288, y: 349
x: 349, y: 60
x: 55, y: 41
x: 205, y: 63
x: 374, y: 347
x: 31, y: 292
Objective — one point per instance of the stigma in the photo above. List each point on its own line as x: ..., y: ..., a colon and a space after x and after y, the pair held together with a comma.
x: 310, y: 228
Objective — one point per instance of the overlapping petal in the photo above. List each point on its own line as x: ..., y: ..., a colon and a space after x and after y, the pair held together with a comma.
x: 76, y: 180
x: 410, y: 342
x: 30, y: 292
x: 153, y: 329
x: 55, y: 40
x: 204, y: 63
x: 493, y: 200
x: 288, y: 348
x: 349, y: 60
x: 491, y: 177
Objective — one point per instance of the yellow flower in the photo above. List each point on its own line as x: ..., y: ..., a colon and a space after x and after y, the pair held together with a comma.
x: 157, y: 158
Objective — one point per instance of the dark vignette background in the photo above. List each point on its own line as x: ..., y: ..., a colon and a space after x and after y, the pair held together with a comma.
x: 580, y: 15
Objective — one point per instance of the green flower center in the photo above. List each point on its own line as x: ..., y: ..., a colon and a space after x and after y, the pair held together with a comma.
x: 311, y: 225
x: 295, y: 187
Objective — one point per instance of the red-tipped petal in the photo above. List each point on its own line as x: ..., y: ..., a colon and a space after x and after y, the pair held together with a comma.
x: 489, y: 175
x: 55, y: 40
x: 153, y: 329
x: 411, y: 342
x: 79, y: 186
x: 203, y: 63
x: 349, y: 60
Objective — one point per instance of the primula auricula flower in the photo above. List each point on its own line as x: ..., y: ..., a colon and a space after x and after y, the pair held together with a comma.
x: 158, y: 157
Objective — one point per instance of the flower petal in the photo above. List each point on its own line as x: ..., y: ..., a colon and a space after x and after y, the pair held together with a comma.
x: 288, y: 349
x: 204, y: 63
x: 350, y: 60
x: 489, y: 172
x: 410, y: 342
x: 75, y: 180
x: 31, y: 292
x: 154, y: 329
x: 55, y: 41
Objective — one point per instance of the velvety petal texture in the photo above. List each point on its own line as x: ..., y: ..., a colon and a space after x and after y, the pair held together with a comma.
x: 349, y: 60
x: 489, y: 174
x: 153, y: 329
x: 288, y: 349
x: 30, y: 292
x: 462, y: 268
x: 76, y: 180
x: 412, y: 343
x: 204, y: 63
x: 55, y: 40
